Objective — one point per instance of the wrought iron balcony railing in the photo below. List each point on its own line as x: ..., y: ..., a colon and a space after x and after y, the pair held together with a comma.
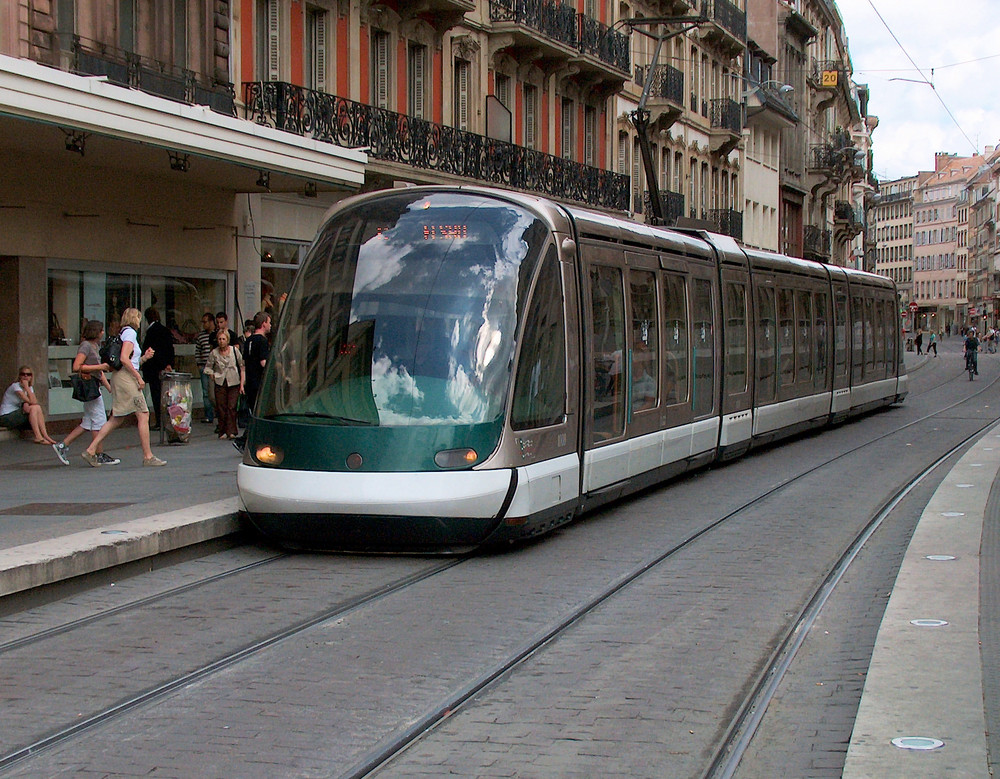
x: 607, y: 45
x: 728, y: 222
x: 727, y: 114
x: 728, y: 16
x: 671, y: 203
x: 395, y: 137
x: 667, y: 84
x: 561, y: 22
x: 128, y: 69
x: 816, y: 243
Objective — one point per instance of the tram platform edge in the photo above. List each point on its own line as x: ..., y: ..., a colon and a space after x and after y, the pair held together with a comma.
x: 58, y: 523
x: 922, y: 711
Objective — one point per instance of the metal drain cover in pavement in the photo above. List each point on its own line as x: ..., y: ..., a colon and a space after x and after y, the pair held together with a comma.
x: 59, y: 509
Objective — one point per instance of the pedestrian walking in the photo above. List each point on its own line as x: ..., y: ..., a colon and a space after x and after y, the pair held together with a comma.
x: 87, y: 364
x: 158, y: 339
x: 932, y: 343
x: 225, y: 364
x: 126, y: 390
x: 20, y: 409
x: 919, y: 340
x: 202, y: 348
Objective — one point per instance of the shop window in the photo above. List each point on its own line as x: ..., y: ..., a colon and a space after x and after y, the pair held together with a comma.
x: 76, y: 296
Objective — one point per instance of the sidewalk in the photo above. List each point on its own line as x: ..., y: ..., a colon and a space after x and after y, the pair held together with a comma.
x: 57, y: 522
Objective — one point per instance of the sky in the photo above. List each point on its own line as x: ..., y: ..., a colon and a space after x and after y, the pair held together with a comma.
x: 956, y: 46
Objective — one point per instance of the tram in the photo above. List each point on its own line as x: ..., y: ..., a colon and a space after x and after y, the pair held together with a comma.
x: 462, y: 366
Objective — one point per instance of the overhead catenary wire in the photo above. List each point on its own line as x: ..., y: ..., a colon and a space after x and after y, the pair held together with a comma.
x: 926, y: 80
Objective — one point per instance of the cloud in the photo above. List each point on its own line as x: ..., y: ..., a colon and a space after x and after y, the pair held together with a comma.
x: 957, y: 49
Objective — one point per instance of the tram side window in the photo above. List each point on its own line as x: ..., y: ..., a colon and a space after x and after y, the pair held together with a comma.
x: 870, y: 355
x: 877, y: 315
x: 804, y: 336
x: 540, y: 385
x: 608, y: 339
x: 822, y: 336
x: 857, y: 338
x: 675, y: 336
x: 704, y: 349
x: 736, y: 338
x: 786, y: 338
x: 645, y: 340
x: 766, y: 336
x: 840, y: 335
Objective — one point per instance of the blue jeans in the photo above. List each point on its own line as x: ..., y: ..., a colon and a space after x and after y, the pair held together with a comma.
x: 207, y: 390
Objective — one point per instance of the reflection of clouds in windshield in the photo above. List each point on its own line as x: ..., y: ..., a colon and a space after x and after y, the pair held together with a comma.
x: 379, y: 262
x: 469, y: 403
x: 393, y: 385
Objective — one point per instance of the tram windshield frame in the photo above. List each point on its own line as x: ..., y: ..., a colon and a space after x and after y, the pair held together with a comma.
x: 405, y: 313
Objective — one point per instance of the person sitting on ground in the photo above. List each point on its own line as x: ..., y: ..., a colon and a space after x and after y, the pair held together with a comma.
x: 20, y: 409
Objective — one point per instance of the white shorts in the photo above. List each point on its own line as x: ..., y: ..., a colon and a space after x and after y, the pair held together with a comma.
x: 94, y: 414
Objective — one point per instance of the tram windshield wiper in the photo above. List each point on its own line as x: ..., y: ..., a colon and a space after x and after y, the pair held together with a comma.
x: 320, y: 415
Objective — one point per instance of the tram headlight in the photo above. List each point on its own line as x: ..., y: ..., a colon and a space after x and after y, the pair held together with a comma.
x: 269, y: 454
x: 455, y: 458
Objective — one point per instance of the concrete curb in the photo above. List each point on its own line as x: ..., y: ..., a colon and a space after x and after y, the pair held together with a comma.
x: 46, y: 562
x: 926, y: 681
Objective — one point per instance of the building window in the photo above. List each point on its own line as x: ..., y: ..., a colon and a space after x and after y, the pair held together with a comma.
x: 530, y: 116
x: 316, y: 49
x: 268, y: 38
x: 380, y: 69
x: 502, y: 89
x: 590, y: 136
x: 567, y: 129
x: 127, y: 18
x: 461, y: 90
x: 180, y: 34
x: 417, y: 67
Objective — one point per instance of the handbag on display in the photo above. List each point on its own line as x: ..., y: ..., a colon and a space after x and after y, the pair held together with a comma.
x: 85, y: 390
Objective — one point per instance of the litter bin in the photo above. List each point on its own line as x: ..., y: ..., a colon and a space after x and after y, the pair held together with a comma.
x: 176, y: 402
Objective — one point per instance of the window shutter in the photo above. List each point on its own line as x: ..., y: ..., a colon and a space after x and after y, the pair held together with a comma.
x: 380, y: 64
x: 530, y: 94
x: 623, y: 153
x: 461, y: 87
x: 319, y: 44
x: 273, y: 40
x: 417, y: 81
x: 589, y: 136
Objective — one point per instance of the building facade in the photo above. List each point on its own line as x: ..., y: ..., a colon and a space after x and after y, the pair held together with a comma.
x: 892, y: 219
x: 940, y: 272
x: 182, y: 154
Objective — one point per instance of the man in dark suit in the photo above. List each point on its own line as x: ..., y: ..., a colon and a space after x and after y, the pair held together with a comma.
x: 162, y: 343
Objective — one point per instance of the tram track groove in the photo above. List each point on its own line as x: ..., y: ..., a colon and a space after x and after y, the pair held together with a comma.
x: 42, y: 635
x: 384, y: 753
x: 161, y: 691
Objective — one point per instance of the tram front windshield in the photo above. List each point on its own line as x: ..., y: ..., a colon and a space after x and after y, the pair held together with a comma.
x: 404, y: 313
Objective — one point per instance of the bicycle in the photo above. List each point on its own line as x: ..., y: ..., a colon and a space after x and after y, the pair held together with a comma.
x: 970, y: 364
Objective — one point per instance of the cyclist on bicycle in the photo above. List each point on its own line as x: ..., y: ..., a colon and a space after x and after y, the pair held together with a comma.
x: 972, y: 351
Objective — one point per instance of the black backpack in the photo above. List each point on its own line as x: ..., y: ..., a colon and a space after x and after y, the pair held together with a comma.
x: 111, y: 352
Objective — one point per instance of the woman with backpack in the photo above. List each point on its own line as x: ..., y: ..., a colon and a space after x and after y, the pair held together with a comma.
x: 126, y: 390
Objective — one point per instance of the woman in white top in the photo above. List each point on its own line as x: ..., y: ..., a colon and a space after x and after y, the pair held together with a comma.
x: 126, y: 390
x: 20, y: 409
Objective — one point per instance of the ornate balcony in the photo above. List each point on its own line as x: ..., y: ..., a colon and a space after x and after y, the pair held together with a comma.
x: 816, y: 244
x: 727, y: 125
x: 848, y: 221
x: 397, y: 138
x: 128, y: 69
x: 728, y: 28
x: 557, y: 32
x: 727, y: 221
x: 671, y: 203
x: 666, y: 93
